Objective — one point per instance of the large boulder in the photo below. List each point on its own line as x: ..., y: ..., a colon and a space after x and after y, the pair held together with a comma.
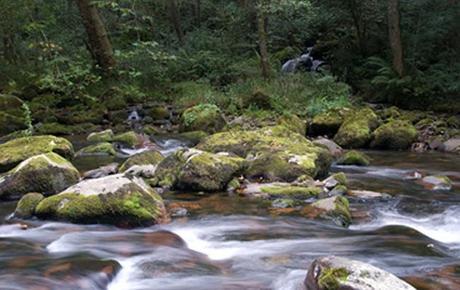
x: 102, y: 136
x: 293, y: 123
x: 198, y: 170
x: 335, y: 150
x: 17, y: 150
x: 115, y: 199
x: 356, y: 130
x: 46, y: 173
x: 354, y: 157
x: 204, y: 117
x: 276, y: 153
x: 12, y: 114
x: 326, y: 123
x: 395, y: 135
x: 452, y: 145
x: 336, y: 209
x: 130, y: 139
x: 337, y: 273
x: 151, y: 157
x: 104, y: 148
x: 26, y: 206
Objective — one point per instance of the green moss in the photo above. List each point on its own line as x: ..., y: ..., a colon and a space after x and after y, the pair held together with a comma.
x: 151, y: 157
x: 355, y: 132
x: 26, y: 206
x: 395, y: 135
x: 354, y: 158
x: 341, y: 178
x: 159, y: 113
x: 150, y: 130
x: 17, y: 150
x: 327, y: 123
x: 130, y: 139
x: 104, y: 148
x: 194, y: 137
x: 103, y: 136
x: 331, y: 278
x: 342, y: 211
x: 293, y: 123
x: 61, y: 129
x: 11, y: 123
x: 204, y: 117
x: 291, y: 191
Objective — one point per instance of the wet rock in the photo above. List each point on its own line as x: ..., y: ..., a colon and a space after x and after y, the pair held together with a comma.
x: 452, y: 145
x: 204, y: 117
x: 355, y: 132
x: 26, y: 206
x: 193, y: 137
x: 289, y: 151
x: 283, y: 203
x: 285, y: 190
x: 437, y: 182
x: 335, y: 150
x: 367, y: 194
x: 103, y: 171
x: 354, y: 158
x: 12, y: 114
x: 150, y: 157
x: 46, y: 173
x: 394, y: 135
x: 115, y: 199
x: 339, y: 190
x: 130, y: 139
x: 144, y: 171
x: 293, y: 123
x: 334, y: 208
x: 335, y: 180
x: 332, y: 272
x: 18, y: 150
x: 104, y: 148
x: 327, y: 123
x: 414, y: 175
x: 198, y: 170
x: 99, y: 137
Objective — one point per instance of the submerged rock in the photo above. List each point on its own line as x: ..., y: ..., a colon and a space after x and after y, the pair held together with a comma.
x: 355, y: 132
x: 198, y: 170
x: 46, y: 173
x: 336, y: 208
x: 104, y: 148
x: 115, y: 199
x: 354, y: 158
x: 276, y: 153
x: 395, y: 135
x: 367, y: 194
x: 329, y: 273
x: 204, y: 117
x: 150, y: 157
x: 437, y: 182
x: 26, y: 206
x: 103, y: 136
x: 18, y: 150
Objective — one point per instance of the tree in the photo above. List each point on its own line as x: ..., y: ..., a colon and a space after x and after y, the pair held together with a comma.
x: 263, y: 38
x: 394, y: 30
x: 99, y: 42
x: 175, y: 19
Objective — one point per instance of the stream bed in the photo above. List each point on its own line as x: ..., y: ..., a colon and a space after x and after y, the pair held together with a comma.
x: 231, y: 242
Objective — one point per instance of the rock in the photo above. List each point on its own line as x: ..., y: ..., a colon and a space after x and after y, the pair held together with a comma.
x: 335, y: 150
x: 437, y: 182
x: 452, y: 145
x: 354, y: 158
x: 26, y: 206
x: 283, y: 203
x: 144, y: 171
x: 130, y: 139
x: 290, y: 154
x: 326, y: 124
x: 367, y: 194
x: 197, y: 170
x: 12, y: 114
x: 390, y: 113
x: 106, y: 170
x: 293, y: 123
x: 62, y: 130
x: 115, y: 199
x: 339, y: 190
x: 334, y: 208
x: 151, y: 157
x: 335, y: 180
x: 46, y: 173
x: 18, y: 150
x: 159, y: 113
x: 355, y: 132
x: 279, y: 190
x: 204, y: 117
x: 103, y: 136
x: 193, y: 137
x: 328, y: 273
x: 104, y: 148
x: 395, y: 135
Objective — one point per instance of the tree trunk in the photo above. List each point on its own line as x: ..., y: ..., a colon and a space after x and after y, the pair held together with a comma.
x: 263, y: 43
x: 175, y: 19
x: 99, y: 42
x: 198, y: 12
x: 395, y: 36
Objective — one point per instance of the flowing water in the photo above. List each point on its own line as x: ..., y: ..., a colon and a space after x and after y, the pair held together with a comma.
x: 229, y: 242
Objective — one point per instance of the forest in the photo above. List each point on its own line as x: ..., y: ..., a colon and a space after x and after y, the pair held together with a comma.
x: 238, y: 144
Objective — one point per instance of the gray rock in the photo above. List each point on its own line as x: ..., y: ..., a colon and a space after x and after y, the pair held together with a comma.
x: 452, y: 145
x: 106, y: 170
x: 437, y: 182
x: 367, y: 194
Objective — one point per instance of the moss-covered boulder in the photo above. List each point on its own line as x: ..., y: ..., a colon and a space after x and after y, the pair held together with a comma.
x: 17, y: 150
x: 283, y: 191
x: 335, y: 150
x: 354, y: 157
x: 129, y: 139
x: 151, y: 157
x: 335, y: 180
x: 395, y: 135
x: 103, y: 136
x: 197, y: 170
x: 336, y: 208
x: 335, y: 273
x: 293, y: 123
x: 204, y: 117
x: 115, y: 199
x: 26, y: 206
x: 193, y: 137
x: 356, y: 130
x: 159, y: 113
x: 104, y: 148
x: 46, y: 173
x: 12, y: 114
x: 287, y: 149
x: 326, y: 124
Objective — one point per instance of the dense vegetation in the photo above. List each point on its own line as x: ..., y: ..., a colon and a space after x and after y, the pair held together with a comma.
x: 220, y: 52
